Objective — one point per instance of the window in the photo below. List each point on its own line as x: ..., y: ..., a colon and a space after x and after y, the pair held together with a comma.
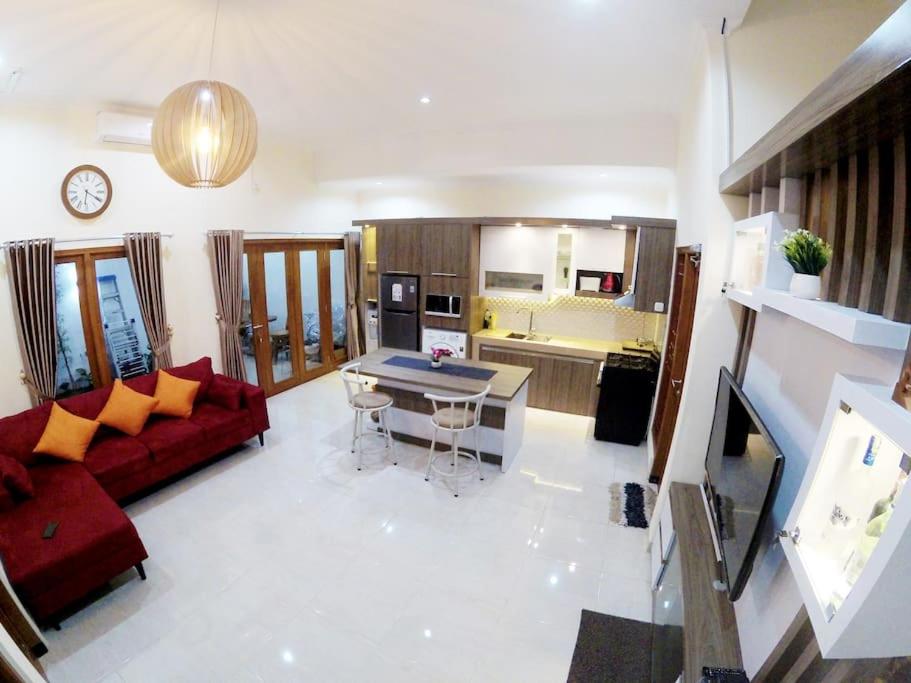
x: 100, y: 333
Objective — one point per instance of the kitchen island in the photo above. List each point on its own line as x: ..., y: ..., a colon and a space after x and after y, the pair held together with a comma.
x: 503, y: 418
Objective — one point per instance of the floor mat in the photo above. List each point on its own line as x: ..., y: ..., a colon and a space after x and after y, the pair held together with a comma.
x: 631, y: 504
x: 611, y: 650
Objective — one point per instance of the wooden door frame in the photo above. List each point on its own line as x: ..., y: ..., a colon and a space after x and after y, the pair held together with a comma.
x: 663, y: 424
x: 291, y: 248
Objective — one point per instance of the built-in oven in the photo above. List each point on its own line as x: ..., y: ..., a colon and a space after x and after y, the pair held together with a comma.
x: 443, y: 305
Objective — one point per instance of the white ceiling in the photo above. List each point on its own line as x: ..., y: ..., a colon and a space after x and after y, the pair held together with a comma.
x: 323, y: 69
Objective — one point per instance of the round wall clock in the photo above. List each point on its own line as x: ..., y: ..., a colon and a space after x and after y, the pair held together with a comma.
x: 86, y: 191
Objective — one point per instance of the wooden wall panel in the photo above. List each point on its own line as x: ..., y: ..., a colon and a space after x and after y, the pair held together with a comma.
x: 855, y: 231
x: 878, y: 247
x: 898, y: 285
x: 832, y: 227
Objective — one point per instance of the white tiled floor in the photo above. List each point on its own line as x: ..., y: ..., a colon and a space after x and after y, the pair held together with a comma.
x: 283, y: 563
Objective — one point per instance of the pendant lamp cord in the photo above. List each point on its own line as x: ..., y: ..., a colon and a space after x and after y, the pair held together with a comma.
x: 214, y: 30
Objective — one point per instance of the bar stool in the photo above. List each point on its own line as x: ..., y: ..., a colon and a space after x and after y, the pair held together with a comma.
x: 457, y: 418
x: 364, y: 403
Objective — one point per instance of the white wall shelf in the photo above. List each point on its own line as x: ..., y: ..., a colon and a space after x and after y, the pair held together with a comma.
x: 851, y: 517
x: 745, y: 298
x: 849, y: 324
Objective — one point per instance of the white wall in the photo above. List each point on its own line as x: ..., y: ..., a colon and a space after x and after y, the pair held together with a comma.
x: 789, y: 384
x: 780, y: 53
x: 571, y: 192
x: 785, y: 49
x: 41, y: 144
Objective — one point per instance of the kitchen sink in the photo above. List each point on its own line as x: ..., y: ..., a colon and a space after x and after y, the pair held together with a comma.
x: 528, y: 337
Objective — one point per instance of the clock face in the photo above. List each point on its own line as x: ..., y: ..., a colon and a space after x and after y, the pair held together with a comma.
x: 86, y: 191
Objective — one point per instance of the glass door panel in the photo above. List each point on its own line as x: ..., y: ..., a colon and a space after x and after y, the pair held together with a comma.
x: 276, y: 289
x: 310, y: 313
x: 74, y: 369
x: 126, y: 342
x: 246, y: 324
x: 337, y: 301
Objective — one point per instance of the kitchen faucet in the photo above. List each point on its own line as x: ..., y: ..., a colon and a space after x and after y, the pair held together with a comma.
x: 531, y: 320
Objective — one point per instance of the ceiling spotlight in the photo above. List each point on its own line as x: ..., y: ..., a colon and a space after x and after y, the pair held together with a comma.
x: 425, y: 100
x: 379, y: 182
x: 518, y: 225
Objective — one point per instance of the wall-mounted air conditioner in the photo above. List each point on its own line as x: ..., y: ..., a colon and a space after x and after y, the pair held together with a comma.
x: 124, y: 129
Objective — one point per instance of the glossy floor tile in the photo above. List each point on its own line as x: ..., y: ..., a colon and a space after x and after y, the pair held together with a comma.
x: 284, y: 563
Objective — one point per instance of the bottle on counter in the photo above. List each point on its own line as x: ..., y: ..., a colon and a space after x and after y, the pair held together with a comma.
x: 872, y: 450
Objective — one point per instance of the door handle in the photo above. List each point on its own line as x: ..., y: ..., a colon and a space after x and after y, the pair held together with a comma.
x: 676, y: 384
x: 445, y: 274
x: 256, y: 327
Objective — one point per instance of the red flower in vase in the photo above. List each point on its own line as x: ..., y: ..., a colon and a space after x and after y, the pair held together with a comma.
x: 439, y: 353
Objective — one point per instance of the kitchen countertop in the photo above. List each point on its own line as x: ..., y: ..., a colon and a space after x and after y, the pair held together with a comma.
x: 577, y: 347
x: 503, y: 386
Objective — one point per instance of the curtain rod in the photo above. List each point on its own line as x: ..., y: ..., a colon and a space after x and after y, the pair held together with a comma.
x: 298, y: 233
x: 97, y: 238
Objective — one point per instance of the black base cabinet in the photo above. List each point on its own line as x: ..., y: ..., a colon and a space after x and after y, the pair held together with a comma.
x: 625, y: 401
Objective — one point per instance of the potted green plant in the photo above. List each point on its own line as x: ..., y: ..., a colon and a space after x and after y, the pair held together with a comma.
x: 808, y: 255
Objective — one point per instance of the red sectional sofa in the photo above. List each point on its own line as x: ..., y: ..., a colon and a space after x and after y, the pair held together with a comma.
x: 95, y: 540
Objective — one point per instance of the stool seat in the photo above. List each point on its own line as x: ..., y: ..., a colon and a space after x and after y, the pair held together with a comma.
x: 454, y: 418
x: 371, y: 400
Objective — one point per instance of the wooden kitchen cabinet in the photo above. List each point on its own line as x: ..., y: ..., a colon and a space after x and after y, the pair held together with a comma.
x: 654, y: 267
x: 447, y: 249
x: 398, y: 247
x: 561, y: 383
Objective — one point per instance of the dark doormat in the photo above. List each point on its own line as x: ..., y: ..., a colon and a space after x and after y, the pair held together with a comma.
x: 611, y: 650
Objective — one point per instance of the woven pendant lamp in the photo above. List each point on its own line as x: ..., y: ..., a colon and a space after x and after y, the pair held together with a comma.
x: 204, y: 134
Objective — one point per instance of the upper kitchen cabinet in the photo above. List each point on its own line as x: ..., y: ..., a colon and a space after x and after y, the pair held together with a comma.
x: 517, y: 261
x: 399, y: 248
x: 447, y: 249
x: 654, y: 268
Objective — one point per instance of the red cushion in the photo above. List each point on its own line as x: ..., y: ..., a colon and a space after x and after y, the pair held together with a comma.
x: 198, y: 371
x: 15, y: 478
x: 87, y: 405
x: 166, y: 437
x: 20, y: 433
x: 144, y: 384
x: 93, y: 532
x: 115, y: 457
x: 225, y: 392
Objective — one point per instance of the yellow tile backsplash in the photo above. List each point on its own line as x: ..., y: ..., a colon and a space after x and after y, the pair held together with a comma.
x: 576, y: 316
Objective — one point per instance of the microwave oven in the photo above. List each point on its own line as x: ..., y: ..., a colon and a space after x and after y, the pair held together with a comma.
x: 443, y: 305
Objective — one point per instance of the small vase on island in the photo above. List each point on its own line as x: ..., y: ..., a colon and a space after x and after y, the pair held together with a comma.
x: 436, y: 357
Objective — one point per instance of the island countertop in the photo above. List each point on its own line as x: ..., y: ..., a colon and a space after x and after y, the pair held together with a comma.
x: 503, y: 386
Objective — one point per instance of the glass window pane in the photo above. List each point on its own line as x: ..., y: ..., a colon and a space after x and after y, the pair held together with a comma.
x: 310, y: 309
x: 128, y: 351
x: 337, y: 279
x: 74, y: 374
x: 277, y: 312
x: 246, y: 327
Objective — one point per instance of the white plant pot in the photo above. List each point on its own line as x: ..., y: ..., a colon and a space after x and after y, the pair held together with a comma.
x: 804, y: 286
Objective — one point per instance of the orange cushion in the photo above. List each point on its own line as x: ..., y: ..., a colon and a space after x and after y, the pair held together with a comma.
x: 175, y: 395
x: 127, y: 410
x: 66, y: 435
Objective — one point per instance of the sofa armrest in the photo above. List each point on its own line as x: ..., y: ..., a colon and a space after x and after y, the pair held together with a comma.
x: 253, y: 398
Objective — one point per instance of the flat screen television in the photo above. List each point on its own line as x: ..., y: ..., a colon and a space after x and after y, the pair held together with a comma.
x: 743, y: 468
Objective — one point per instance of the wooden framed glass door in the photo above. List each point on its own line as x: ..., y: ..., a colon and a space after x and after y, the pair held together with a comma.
x: 294, y: 325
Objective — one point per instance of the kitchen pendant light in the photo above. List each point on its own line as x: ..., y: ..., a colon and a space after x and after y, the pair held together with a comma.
x: 204, y: 133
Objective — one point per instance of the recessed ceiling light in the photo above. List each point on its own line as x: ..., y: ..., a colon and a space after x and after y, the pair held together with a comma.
x: 565, y: 225
x: 518, y: 225
x: 379, y: 182
x: 425, y: 100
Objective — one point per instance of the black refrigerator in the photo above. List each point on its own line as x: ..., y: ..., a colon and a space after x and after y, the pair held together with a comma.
x: 399, y: 320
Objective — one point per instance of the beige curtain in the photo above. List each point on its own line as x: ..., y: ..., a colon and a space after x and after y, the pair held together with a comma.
x: 144, y: 256
x: 31, y: 276
x: 352, y: 278
x: 226, y: 250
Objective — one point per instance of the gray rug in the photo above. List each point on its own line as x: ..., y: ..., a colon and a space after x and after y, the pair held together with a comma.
x: 611, y: 650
